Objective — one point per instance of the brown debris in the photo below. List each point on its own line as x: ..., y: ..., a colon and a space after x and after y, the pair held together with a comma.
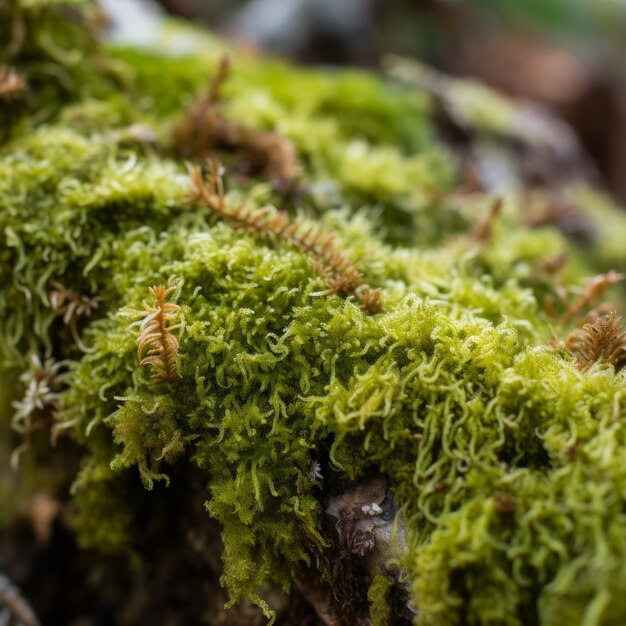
x: 359, y: 526
x: 370, y: 299
x: 206, y: 133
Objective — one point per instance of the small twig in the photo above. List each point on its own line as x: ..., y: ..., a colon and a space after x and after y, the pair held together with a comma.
x: 206, y: 131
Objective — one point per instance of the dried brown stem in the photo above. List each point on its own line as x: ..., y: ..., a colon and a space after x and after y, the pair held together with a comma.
x: 206, y: 132
x: 340, y: 274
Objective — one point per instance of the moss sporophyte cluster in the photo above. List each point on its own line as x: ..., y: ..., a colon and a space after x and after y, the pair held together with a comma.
x: 163, y: 336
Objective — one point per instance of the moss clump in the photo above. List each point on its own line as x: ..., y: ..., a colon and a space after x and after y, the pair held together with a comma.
x: 506, y: 459
x: 378, y: 596
x: 55, y: 46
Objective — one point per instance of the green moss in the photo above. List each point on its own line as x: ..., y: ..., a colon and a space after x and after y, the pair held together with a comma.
x: 506, y: 460
x: 380, y: 613
x: 54, y: 45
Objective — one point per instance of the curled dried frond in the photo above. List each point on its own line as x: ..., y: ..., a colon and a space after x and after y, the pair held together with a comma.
x: 72, y: 306
x: 340, y: 274
x: 43, y: 383
x: 14, y: 608
x: 600, y: 341
x: 592, y: 292
x: 205, y: 132
x: 156, y: 338
x: 12, y: 85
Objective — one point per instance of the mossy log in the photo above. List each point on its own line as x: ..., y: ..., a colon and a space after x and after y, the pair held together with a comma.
x: 198, y: 391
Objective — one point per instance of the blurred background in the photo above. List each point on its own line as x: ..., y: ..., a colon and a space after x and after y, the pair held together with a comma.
x: 567, y: 54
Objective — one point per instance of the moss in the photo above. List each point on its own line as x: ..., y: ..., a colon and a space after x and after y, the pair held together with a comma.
x: 505, y: 458
x: 378, y: 596
x: 54, y: 44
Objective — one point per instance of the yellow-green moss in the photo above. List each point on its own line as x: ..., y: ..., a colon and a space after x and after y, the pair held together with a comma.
x: 377, y: 595
x: 507, y: 461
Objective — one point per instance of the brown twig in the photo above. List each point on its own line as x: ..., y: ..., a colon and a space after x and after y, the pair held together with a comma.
x: 156, y: 334
x: 340, y: 274
x: 205, y: 132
